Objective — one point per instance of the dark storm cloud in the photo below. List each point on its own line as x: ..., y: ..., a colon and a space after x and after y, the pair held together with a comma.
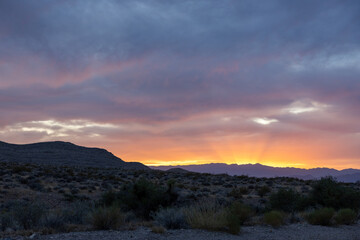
x: 73, y: 31
x: 169, y: 62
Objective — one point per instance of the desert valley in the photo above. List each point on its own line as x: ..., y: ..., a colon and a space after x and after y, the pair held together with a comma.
x: 43, y: 193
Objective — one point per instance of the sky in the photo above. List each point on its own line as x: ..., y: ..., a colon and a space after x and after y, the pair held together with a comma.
x: 185, y: 82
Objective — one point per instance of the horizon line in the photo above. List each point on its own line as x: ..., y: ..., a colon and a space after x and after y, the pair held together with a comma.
x: 157, y: 165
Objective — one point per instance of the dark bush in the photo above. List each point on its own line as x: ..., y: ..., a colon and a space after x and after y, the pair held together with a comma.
x: 232, y: 223
x: 6, y: 221
x: 36, y: 186
x: 77, y: 212
x: 143, y: 197
x: 54, y: 220
x: 274, y: 218
x: 285, y: 200
x: 236, y: 214
x: 107, y: 218
x: 241, y: 212
x: 109, y: 198
x: 321, y: 216
x: 238, y: 193
x: 27, y: 215
x: 171, y: 218
x: 20, y: 169
x: 262, y: 191
x: 345, y: 216
x: 158, y: 229
x: 329, y: 193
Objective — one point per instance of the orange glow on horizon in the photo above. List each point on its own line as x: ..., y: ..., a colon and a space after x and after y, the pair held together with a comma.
x: 273, y: 157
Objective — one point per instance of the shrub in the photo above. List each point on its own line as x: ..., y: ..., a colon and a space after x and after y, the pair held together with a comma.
x: 54, y: 220
x: 212, y: 216
x: 77, y: 212
x: 232, y: 222
x: 241, y: 211
x: 285, y: 200
x: 27, y: 215
x: 6, y: 221
x: 107, y: 218
x: 171, y: 218
x: 20, y: 169
x: 345, y: 216
x: 207, y: 215
x: 321, y: 216
x: 144, y: 197
x: 238, y: 192
x: 158, y: 229
x: 274, y: 218
x: 108, y: 198
x: 36, y: 186
x: 329, y: 193
x: 304, y: 202
x: 262, y: 191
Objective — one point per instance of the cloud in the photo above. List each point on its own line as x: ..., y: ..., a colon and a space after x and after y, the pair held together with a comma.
x: 53, y: 129
x: 335, y: 62
x: 264, y: 121
x: 304, y: 106
x: 194, y: 70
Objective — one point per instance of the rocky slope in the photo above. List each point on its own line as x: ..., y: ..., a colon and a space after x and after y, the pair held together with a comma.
x: 63, y: 153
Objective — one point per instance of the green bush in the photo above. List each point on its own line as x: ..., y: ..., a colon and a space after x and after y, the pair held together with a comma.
x: 274, y: 218
x: 321, y: 216
x: 285, y: 200
x: 329, y: 193
x: 345, y: 216
x: 207, y: 215
x: 107, y: 218
x: 212, y: 216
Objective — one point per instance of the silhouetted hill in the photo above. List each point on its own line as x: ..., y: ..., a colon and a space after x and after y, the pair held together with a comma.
x: 177, y: 170
x: 258, y: 170
x: 62, y: 153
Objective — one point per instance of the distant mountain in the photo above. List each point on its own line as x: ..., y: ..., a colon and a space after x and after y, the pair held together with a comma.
x: 63, y: 153
x: 349, y: 177
x: 177, y: 170
x: 258, y: 170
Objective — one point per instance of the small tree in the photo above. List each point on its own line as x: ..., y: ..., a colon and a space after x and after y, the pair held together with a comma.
x: 329, y: 193
x: 285, y: 200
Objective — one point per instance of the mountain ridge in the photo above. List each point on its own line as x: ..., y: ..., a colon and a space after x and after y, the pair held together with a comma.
x: 259, y: 170
x: 63, y: 153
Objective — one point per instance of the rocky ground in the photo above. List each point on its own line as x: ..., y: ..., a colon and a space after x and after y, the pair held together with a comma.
x: 293, y: 232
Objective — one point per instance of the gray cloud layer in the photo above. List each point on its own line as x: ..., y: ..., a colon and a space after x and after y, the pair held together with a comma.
x: 160, y: 62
